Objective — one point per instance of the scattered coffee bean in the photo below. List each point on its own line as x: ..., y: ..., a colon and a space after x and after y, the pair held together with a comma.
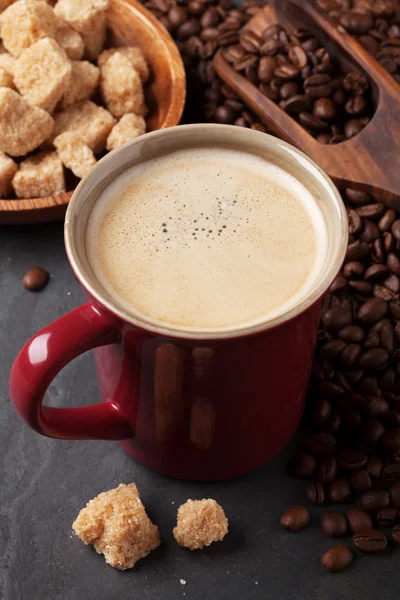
x: 333, y: 523
x: 370, y: 541
x: 387, y: 517
x: 374, y: 500
x: 304, y: 465
x: 295, y: 518
x: 358, y: 519
x: 361, y: 481
x: 315, y: 493
x: 339, y: 491
x: 327, y: 470
x: 35, y: 279
x: 396, y: 534
x: 352, y: 460
x: 336, y: 558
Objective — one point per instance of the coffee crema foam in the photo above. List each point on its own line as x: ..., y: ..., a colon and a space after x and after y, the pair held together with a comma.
x: 207, y: 239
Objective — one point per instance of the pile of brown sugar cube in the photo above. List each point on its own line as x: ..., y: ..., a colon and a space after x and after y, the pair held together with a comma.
x: 52, y: 62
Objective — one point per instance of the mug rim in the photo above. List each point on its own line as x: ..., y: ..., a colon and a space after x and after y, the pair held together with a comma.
x: 146, y: 323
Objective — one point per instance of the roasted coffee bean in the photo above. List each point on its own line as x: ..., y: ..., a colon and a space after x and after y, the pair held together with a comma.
x: 315, y: 493
x: 376, y: 273
x: 336, y: 318
x: 355, y: 84
x: 321, y: 443
x: 352, y: 128
x: 377, y: 406
x: 368, y: 386
x: 374, y: 500
x: 321, y: 412
x: 296, y: 104
x: 336, y: 558
x: 370, y: 541
x: 387, y: 220
x: 177, y: 15
x: 358, y: 519
x: 304, y: 465
x: 393, y: 263
x: 266, y: 68
x: 354, y: 221
x: 295, y: 518
x: 372, y: 311
x: 370, y: 232
x: 394, y: 492
x: 396, y: 229
x: 333, y: 348
x: 374, y: 359
x: 391, y: 473
x: 375, y: 466
x: 372, y: 432
x: 357, y: 251
x: 391, y: 440
x: 187, y: 29
x: 224, y: 114
x: 286, y: 72
x: 371, y: 211
x: 355, y: 106
x: 339, y: 491
x: 250, y: 41
x: 35, y: 279
x: 396, y: 534
x: 288, y: 90
x: 352, y: 460
x: 318, y: 85
x: 333, y: 523
x: 298, y: 56
x: 361, y: 481
x: 387, y: 517
x: 311, y: 123
x: 353, y: 269
x: 327, y: 470
x: 325, y: 109
x: 352, y: 334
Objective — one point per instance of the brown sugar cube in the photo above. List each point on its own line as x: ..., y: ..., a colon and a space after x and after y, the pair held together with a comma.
x: 199, y: 523
x: 70, y: 41
x: 83, y: 83
x: 41, y: 175
x: 116, y: 524
x: 133, y: 54
x: 8, y: 168
x: 92, y: 122
x: 5, y: 3
x: 7, y: 62
x: 42, y: 74
x: 24, y: 23
x: 121, y: 86
x: 89, y: 19
x: 130, y: 126
x: 74, y: 153
x: 6, y: 80
x: 22, y: 127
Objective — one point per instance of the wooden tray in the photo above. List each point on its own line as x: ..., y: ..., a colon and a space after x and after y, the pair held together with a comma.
x: 129, y: 23
x: 368, y: 161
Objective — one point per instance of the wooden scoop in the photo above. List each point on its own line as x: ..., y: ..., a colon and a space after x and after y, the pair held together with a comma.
x: 370, y: 161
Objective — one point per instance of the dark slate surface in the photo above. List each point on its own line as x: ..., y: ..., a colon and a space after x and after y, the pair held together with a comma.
x: 44, y: 483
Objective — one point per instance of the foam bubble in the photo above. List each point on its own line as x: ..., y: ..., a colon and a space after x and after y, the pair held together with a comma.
x: 206, y: 239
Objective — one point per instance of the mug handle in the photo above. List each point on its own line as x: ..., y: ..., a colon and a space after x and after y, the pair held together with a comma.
x: 41, y: 359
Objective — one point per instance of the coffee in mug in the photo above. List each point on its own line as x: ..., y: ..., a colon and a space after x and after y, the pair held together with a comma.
x: 207, y: 238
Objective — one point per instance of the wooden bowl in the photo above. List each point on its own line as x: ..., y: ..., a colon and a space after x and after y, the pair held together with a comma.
x: 129, y: 23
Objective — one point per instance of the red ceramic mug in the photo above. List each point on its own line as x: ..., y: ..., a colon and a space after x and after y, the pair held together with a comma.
x: 185, y: 403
